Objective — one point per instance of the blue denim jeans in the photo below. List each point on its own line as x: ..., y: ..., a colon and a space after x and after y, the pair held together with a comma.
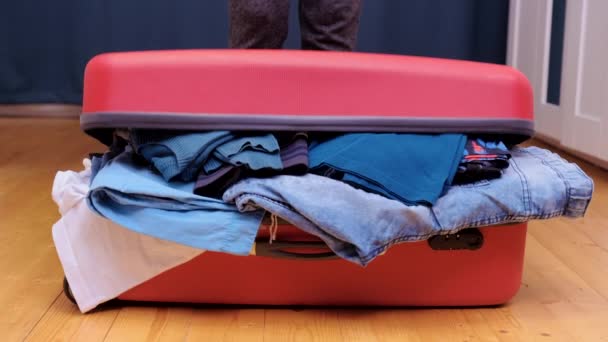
x: 179, y: 155
x: 256, y: 152
x: 359, y: 226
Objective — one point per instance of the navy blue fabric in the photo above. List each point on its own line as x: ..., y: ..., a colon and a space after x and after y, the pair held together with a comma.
x: 411, y: 168
x: 45, y: 45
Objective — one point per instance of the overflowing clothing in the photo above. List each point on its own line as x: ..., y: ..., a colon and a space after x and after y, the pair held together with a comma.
x: 101, y: 259
x: 177, y: 155
x: 358, y: 226
x: 293, y: 160
x: 217, y: 160
x: 158, y: 199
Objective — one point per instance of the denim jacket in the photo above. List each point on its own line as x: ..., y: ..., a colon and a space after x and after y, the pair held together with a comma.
x: 359, y: 226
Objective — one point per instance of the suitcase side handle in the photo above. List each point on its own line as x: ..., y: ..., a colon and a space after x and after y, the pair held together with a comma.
x: 466, y: 239
x: 286, y: 250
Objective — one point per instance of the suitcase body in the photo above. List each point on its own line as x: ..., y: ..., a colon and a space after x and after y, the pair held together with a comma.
x: 322, y: 91
x: 409, y: 274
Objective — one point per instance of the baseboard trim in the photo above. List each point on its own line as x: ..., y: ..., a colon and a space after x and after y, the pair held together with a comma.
x: 582, y: 155
x: 46, y: 110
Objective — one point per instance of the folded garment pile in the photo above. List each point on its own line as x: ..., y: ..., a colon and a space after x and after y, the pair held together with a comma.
x: 159, y: 198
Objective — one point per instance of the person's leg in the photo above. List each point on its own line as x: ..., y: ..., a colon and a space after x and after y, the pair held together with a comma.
x: 329, y: 24
x: 258, y: 24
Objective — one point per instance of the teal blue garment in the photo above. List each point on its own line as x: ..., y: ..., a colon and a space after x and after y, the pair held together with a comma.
x: 255, y: 152
x: 411, y: 168
x: 139, y: 199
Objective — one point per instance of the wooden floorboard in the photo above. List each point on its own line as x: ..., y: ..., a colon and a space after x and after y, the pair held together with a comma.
x: 563, y: 297
x: 64, y: 322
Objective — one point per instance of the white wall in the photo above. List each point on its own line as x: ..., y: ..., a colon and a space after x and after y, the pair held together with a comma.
x: 580, y: 122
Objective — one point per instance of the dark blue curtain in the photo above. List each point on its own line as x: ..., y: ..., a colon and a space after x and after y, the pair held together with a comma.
x: 44, y: 45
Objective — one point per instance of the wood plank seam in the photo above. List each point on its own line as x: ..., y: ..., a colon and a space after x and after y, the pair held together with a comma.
x: 43, y: 315
x: 105, y: 337
x: 574, y: 270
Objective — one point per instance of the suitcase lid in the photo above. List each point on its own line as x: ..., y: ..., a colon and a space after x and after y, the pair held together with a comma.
x: 294, y: 90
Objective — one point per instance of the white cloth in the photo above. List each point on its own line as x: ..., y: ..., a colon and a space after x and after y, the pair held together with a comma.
x: 100, y: 259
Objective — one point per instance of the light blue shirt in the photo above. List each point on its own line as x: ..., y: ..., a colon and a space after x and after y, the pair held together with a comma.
x: 139, y: 199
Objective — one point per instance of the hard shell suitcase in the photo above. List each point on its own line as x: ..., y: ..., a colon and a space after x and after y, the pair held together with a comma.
x: 280, y: 90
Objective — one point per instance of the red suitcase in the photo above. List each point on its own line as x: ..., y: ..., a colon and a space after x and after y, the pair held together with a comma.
x: 278, y: 90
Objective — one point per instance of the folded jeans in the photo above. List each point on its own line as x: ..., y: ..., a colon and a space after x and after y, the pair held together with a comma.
x: 358, y: 226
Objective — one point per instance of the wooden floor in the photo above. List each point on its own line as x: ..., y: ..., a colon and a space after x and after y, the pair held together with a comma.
x: 563, y: 297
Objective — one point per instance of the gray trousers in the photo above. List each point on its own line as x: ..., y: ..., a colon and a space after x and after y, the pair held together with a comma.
x: 324, y: 24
